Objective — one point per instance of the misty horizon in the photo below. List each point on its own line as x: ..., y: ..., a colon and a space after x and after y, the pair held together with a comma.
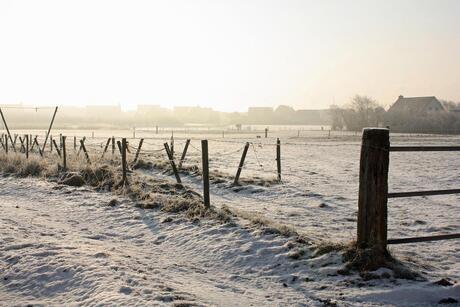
x: 227, y: 55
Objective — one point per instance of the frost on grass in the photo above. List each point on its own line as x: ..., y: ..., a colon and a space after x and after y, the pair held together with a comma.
x: 215, y: 176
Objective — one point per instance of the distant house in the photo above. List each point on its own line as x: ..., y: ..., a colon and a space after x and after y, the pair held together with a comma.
x: 416, y: 105
x: 416, y: 114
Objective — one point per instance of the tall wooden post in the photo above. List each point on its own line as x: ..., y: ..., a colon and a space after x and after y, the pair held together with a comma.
x: 205, y: 172
x: 64, y: 154
x: 373, y: 189
x: 266, y: 132
x: 278, y: 158
x: 240, y: 167
x: 51, y: 143
x: 74, y: 143
x: 6, y: 144
x: 123, y: 160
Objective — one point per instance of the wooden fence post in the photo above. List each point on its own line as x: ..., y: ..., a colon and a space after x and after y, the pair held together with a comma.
x: 278, y: 158
x: 51, y: 143
x: 64, y: 154
x: 240, y: 167
x: 205, y: 173
x: 57, y: 148
x: 266, y: 132
x: 373, y: 189
x: 105, y: 148
x: 6, y: 128
x: 123, y: 160
x: 173, y: 164
x: 120, y: 148
x: 49, y: 129
x: 23, y: 147
x: 27, y: 146
x: 182, y: 158
x: 38, y: 146
x: 6, y: 144
x: 138, y: 151
x: 74, y: 143
x: 82, y: 146
x: 113, y: 146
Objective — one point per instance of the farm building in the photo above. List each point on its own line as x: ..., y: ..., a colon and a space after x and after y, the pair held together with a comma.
x: 416, y: 105
x: 418, y: 114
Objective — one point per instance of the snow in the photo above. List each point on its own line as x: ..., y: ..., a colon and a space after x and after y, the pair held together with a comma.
x: 62, y: 245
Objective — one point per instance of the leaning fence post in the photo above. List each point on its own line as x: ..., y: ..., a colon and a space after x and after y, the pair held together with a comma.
x: 278, y: 158
x: 6, y: 127
x: 82, y: 146
x: 373, y: 189
x: 57, y: 148
x: 120, y: 148
x: 182, y: 158
x: 105, y: 149
x: 49, y: 129
x: 173, y: 164
x: 240, y: 167
x: 138, y: 151
x: 205, y: 173
x: 123, y: 159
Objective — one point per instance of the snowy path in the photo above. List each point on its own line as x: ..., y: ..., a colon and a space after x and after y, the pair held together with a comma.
x: 65, y: 246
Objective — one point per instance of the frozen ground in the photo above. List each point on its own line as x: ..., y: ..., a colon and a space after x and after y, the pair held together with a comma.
x: 65, y: 245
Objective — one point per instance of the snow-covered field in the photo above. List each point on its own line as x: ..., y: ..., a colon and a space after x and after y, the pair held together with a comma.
x: 62, y: 245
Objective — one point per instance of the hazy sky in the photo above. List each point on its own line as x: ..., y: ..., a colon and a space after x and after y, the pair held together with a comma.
x: 227, y: 54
